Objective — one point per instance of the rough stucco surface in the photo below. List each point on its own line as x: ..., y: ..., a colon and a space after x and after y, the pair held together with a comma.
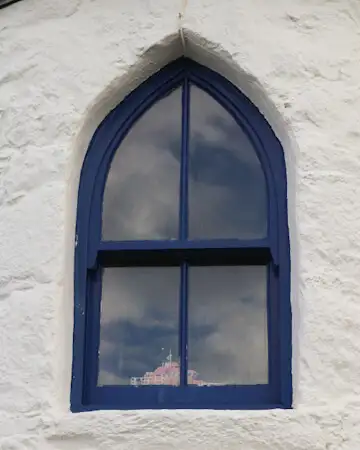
x: 63, y: 65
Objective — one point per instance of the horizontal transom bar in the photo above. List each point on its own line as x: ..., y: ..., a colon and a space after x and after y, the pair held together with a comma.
x: 173, y: 253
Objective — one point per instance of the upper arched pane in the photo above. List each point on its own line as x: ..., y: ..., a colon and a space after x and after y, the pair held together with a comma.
x: 227, y: 189
x: 141, y: 199
x: 226, y: 195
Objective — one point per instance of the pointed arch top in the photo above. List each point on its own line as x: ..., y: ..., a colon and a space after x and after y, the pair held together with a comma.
x: 95, y: 251
x: 116, y: 125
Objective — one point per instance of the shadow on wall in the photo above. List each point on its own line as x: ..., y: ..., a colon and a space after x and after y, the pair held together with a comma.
x: 215, y: 57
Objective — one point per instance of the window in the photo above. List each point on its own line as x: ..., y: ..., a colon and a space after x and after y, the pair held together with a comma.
x: 182, y: 257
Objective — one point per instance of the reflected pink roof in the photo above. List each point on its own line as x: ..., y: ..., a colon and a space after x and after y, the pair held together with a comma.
x: 167, y: 368
x: 168, y: 373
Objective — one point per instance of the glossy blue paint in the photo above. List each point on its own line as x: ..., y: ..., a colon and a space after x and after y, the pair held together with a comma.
x: 91, y: 254
x: 185, y: 397
x: 184, y: 287
x: 183, y: 244
x: 183, y: 218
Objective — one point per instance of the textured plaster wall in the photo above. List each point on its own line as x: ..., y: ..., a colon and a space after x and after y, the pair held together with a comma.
x: 63, y: 65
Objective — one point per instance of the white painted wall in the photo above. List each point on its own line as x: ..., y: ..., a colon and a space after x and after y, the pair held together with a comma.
x: 63, y: 65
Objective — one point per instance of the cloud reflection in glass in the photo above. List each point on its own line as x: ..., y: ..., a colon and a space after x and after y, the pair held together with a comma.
x: 227, y: 199
x: 141, y: 198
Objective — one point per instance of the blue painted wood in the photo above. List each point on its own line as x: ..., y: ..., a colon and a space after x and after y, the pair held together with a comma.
x: 90, y: 251
x: 173, y: 253
x: 184, y: 282
x: 183, y: 218
x: 170, y: 397
x: 183, y: 233
x: 273, y: 325
x: 183, y: 244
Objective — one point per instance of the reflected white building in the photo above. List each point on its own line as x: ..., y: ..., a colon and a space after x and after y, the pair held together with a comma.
x: 168, y: 374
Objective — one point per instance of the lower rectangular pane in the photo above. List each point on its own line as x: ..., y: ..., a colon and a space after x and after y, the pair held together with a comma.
x: 227, y: 325
x: 139, y: 326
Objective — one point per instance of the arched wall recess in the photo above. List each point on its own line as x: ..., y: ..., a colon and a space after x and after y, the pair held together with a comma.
x: 225, y: 221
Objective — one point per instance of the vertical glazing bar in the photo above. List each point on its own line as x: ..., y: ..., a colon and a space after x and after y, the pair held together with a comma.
x: 183, y: 229
x: 183, y: 324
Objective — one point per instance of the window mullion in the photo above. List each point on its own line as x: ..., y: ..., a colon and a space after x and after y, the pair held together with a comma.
x: 183, y: 231
x: 183, y: 351
x: 185, y: 112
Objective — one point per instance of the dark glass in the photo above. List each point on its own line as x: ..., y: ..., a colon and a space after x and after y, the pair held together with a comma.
x: 139, y: 326
x: 228, y: 325
x: 141, y: 199
x: 227, y: 190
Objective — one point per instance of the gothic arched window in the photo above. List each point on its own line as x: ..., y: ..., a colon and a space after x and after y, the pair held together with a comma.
x: 182, y: 292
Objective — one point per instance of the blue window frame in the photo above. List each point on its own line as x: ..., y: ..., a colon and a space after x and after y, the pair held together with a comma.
x: 182, y: 266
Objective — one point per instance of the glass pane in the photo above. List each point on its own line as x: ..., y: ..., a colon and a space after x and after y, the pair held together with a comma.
x: 141, y: 199
x: 139, y: 326
x: 227, y: 325
x: 227, y: 191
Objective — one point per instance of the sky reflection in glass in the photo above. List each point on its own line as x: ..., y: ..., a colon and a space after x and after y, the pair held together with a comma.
x: 227, y: 191
x: 139, y: 334
x: 139, y: 324
x: 228, y: 324
x: 141, y: 199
